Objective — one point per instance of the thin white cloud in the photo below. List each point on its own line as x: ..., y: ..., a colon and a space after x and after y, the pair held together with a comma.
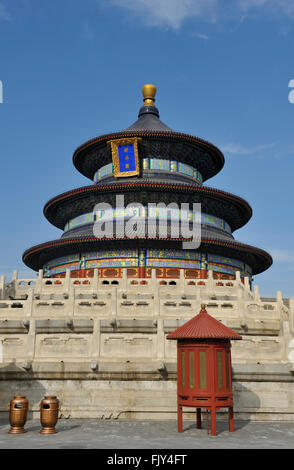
x: 195, y: 34
x: 171, y: 14
x: 284, y: 6
x: 202, y: 36
x: 237, y: 149
x: 282, y: 256
x: 4, y: 15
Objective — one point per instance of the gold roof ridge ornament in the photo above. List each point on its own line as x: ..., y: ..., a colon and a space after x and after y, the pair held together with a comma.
x: 125, y: 154
x: 149, y: 92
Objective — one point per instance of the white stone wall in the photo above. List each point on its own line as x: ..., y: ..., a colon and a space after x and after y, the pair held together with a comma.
x: 107, y: 342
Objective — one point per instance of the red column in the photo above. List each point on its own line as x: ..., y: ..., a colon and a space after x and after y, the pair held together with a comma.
x: 199, y: 418
x: 231, y: 419
x: 213, y: 421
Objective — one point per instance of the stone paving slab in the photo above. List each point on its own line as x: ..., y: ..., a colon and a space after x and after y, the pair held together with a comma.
x: 121, y: 434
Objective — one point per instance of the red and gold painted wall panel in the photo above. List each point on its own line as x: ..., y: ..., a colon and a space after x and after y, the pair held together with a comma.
x: 139, y: 262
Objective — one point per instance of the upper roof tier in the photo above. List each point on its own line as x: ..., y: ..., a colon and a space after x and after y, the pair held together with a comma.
x: 148, y: 117
x: 158, y: 140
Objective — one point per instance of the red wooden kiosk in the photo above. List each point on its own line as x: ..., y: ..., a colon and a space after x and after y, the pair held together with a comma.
x: 204, y: 368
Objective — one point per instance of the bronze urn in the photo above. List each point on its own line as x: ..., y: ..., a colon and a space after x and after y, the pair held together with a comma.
x: 49, y: 408
x: 18, y: 411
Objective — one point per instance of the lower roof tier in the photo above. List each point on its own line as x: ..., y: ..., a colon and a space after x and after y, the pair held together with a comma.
x: 38, y: 256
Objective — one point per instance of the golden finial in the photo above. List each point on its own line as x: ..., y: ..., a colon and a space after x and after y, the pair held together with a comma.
x: 149, y: 92
x: 203, y: 306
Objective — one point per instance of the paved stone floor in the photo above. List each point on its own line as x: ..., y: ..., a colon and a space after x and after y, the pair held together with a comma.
x: 96, y: 434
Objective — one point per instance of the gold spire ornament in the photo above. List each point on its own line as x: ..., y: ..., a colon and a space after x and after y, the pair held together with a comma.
x: 125, y: 153
x: 149, y: 92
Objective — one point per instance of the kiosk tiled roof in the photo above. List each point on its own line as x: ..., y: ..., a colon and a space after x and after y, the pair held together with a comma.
x: 203, y: 326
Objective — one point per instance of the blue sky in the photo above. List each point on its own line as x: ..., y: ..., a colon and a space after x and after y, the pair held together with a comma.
x: 72, y: 70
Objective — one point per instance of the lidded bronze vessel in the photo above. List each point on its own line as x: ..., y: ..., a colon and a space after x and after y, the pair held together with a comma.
x: 18, y: 411
x: 49, y: 408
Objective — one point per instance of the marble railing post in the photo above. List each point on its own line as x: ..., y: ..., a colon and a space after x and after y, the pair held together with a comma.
x: 256, y: 293
x: 2, y: 287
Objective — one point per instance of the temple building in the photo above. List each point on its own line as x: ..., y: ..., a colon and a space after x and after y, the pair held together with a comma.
x: 143, y: 247
x: 144, y: 165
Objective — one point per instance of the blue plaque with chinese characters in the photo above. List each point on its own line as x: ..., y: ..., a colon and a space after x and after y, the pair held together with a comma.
x: 125, y: 157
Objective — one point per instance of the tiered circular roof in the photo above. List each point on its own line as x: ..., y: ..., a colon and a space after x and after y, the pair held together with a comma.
x: 235, y: 210
x: 158, y: 141
x: 207, y: 158
x: 38, y: 255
